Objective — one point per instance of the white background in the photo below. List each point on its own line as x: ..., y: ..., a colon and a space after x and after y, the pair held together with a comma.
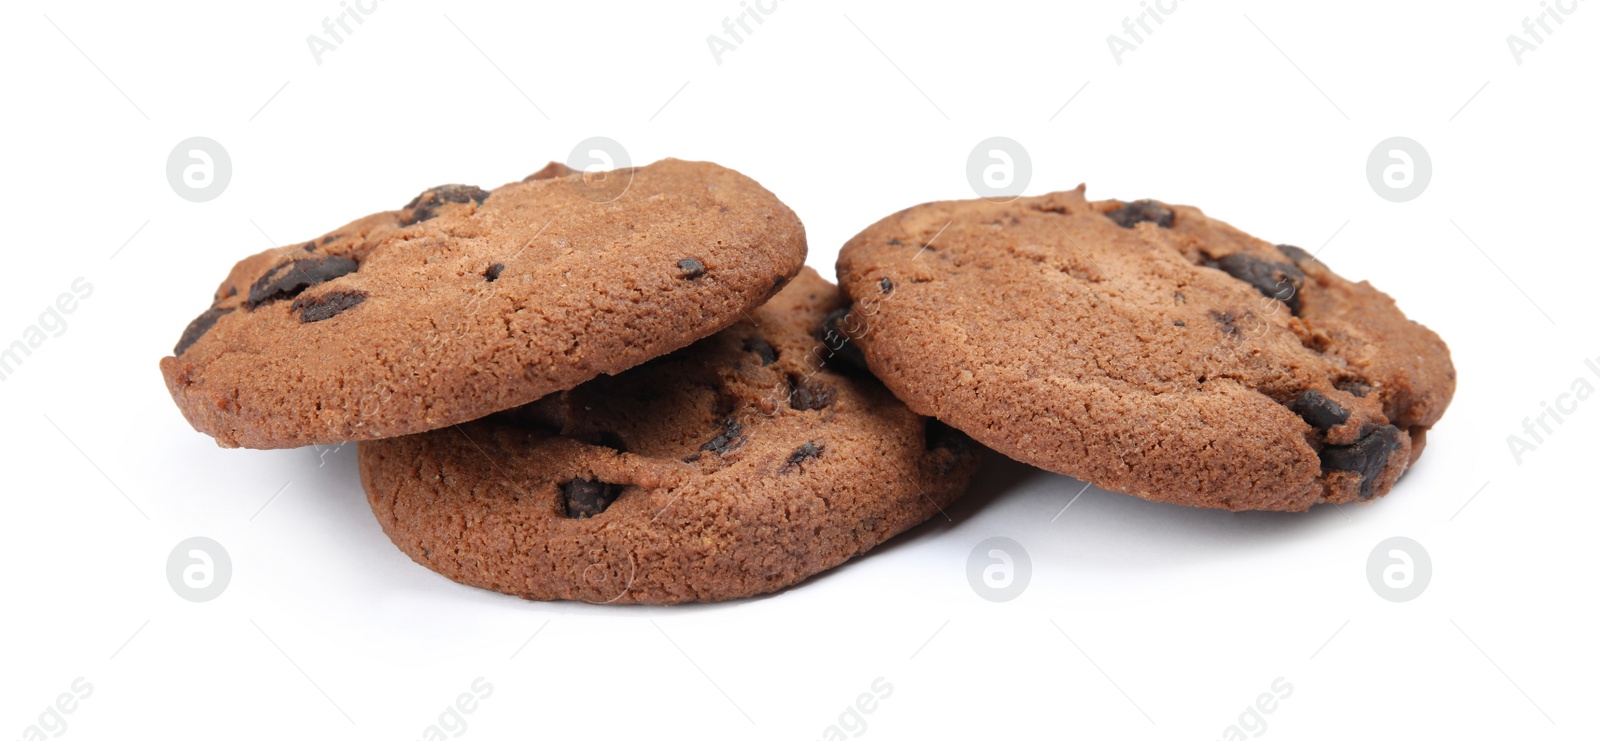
x: 1140, y: 620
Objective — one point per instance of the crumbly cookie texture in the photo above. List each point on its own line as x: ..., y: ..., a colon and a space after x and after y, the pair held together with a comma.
x: 738, y: 466
x: 468, y: 301
x: 1145, y: 348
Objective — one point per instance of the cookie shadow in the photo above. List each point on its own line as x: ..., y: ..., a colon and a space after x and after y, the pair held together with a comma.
x: 996, y: 476
x: 1067, y: 525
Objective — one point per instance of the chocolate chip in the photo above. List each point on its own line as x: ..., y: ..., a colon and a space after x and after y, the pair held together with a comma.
x: 1281, y: 281
x: 198, y: 328
x: 326, y: 305
x: 838, y: 341
x: 1178, y: 323
x: 423, y: 207
x: 731, y: 437
x: 1145, y: 210
x: 1367, y: 456
x: 493, y: 273
x: 800, y: 455
x: 454, y: 193
x: 806, y: 396
x: 1295, y: 253
x: 585, y: 498
x: 1318, y: 411
x: 896, y: 243
x: 762, y: 349
x: 309, y: 246
x: 1226, y: 320
x: 885, y: 285
x: 1353, y: 387
x: 291, y: 278
x: 691, y: 268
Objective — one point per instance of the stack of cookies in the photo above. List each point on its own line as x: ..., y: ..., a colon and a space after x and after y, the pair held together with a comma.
x: 625, y: 387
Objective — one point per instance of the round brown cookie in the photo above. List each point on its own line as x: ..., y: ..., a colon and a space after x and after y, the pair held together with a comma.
x: 468, y: 301
x: 737, y: 466
x: 1145, y: 348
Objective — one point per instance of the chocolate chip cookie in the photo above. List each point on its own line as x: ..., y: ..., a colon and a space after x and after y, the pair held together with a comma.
x: 738, y: 466
x: 1146, y: 348
x: 469, y: 301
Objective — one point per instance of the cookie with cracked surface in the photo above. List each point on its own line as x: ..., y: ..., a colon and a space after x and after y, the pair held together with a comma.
x: 738, y: 466
x: 469, y: 301
x: 1146, y: 348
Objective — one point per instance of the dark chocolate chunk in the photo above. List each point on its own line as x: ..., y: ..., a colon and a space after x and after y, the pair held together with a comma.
x: 198, y: 328
x: 762, y: 349
x: 453, y: 193
x: 885, y: 285
x: 585, y: 498
x: 493, y: 273
x: 309, y: 246
x: 691, y: 268
x: 1367, y: 456
x: 1353, y: 387
x: 1227, y: 321
x: 731, y: 437
x: 800, y: 455
x: 423, y: 207
x: 1145, y: 210
x: 807, y: 396
x: 1295, y: 253
x: 1318, y: 411
x: 839, y: 344
x: 291, y: 278
x: 896, y: 243
x: 326, y: 305
x: 1178, y: 323
x: 1281, y: 281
